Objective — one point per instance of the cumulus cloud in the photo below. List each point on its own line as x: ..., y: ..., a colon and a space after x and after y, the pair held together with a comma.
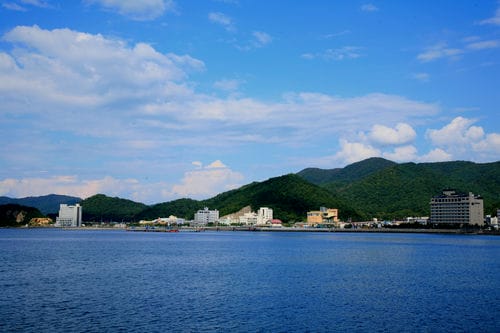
x: 402, y: 154
x: 137, y: 10
x: 207, y: 181
x: 351, y: 152
x: 401, y: 134
x: 460, y: 138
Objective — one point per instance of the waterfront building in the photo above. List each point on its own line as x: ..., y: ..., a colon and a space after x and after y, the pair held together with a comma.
x: 69, y: 216
x: 457, y: 208
x: 249, y: 218
x: 206, y: 216
x: 264, y: 216
x: 323, y: 215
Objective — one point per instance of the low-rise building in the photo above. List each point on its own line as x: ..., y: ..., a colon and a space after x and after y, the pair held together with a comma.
x: 322, y: 216
x: 457, y: 208
x: 69, y: 216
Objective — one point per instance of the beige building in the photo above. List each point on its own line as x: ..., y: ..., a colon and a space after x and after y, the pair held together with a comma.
x: 457, y: 208
x: 322, y: 216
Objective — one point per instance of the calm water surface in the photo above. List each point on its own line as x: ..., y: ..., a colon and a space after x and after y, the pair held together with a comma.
x: 117, y: 281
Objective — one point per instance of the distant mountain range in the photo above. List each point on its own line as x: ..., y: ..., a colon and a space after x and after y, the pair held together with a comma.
x: 47, y: 204
x: 371, y: 188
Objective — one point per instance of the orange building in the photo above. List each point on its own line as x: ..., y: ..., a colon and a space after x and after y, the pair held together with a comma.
x: 323, y: 215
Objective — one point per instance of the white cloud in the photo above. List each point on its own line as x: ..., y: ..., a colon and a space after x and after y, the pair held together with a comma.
x: 368, y: 7
x: 351, y: 152
x: 482, y: 45
x: 459, y: 131
x: 65, y: 185
x: 436, y: 155
x: 383, y: 135
x: 21, y: 5
x: 228, y: 84
x: 495, y: 20
x: 201, y: 183
x: 137, y: 10
x: 439, y: 51
x: 223, y: 20
x: 13, y: 6
x: 345, y: 52
x: 402, y: 154
x: 261, y: 38
x: 462, y: 140
x: 207, y: 181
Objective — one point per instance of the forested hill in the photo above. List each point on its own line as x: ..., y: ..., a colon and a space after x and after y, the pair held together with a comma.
x: 14, y: 215
x: 390, y: 190
x: 289, y: 196
x: 103, y: 208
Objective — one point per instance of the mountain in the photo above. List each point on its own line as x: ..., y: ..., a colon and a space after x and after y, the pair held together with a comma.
x: 348, y: 174
x: 100, y: 207
x: 289, y: 196
x: 14, y: 215
x: 47, y: 204
x: 389, y: 190
x: 183, y: 208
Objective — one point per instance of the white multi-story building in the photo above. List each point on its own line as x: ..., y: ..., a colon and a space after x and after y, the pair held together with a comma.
x: 249, y: 218
x: 69, y: 216
x: 457, y: 208
x: 264, y: 215
x: 206, y: 216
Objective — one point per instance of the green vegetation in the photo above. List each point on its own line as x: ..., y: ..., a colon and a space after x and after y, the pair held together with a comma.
x: 183, y: 208
x: 371, y: 188
x: 289, y: 196
x: 400, y: 190
x: 14, y: 215
x: 103, y: 208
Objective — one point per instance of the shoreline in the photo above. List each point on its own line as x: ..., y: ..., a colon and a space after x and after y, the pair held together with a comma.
x: 282, y: 229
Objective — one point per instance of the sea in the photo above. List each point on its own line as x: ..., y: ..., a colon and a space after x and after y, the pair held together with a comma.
x: 54, y: 280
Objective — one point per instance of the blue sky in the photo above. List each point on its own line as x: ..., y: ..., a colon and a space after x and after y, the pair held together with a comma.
x: 156, y: 100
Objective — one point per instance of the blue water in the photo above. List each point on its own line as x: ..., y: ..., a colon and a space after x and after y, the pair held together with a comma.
x: 117, y: 281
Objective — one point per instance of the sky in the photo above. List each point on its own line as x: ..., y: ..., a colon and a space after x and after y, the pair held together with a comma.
x: 156, y: 100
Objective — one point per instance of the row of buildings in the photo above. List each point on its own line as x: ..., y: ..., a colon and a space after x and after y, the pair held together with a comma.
x: 449, y: 207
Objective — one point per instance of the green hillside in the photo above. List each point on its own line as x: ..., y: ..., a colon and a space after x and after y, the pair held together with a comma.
x: 401, y: 190
x: 183, y: 208
x: 289, y: 196
x: 345, y: 175
x: 103, y: 208
x: 14, y: 215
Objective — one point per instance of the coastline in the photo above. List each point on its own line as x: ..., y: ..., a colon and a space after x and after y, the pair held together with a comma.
x: 282, y: 229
